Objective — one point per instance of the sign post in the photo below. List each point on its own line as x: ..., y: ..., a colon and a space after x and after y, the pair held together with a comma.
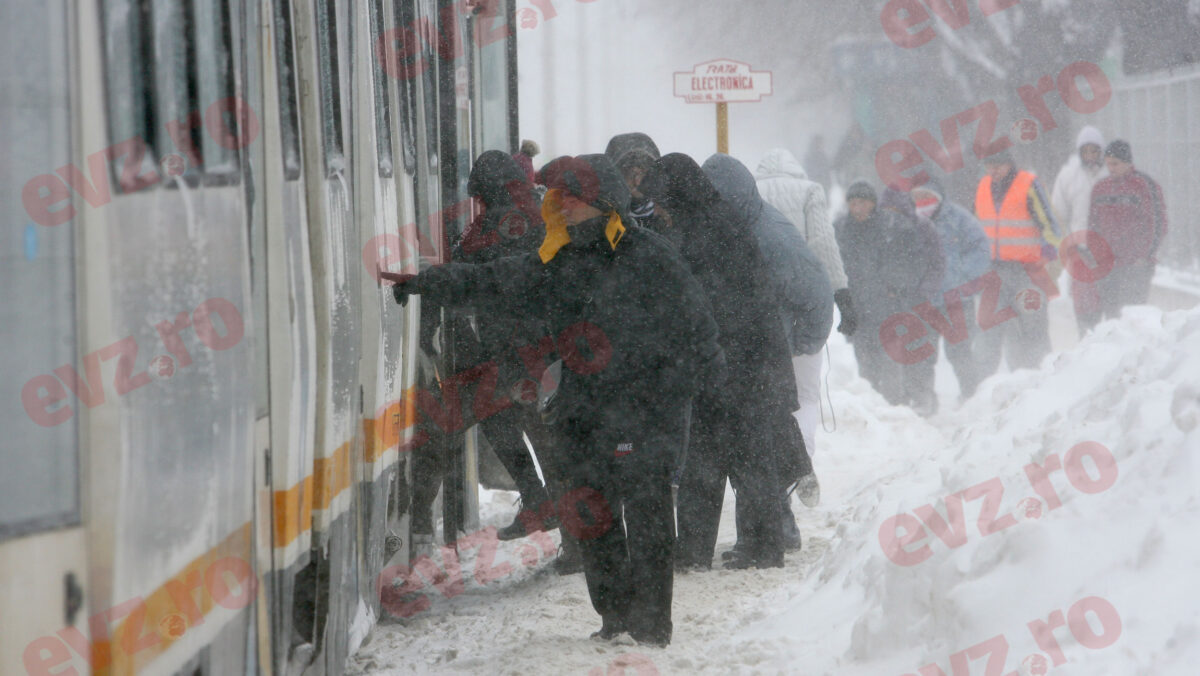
x: 722, y: 82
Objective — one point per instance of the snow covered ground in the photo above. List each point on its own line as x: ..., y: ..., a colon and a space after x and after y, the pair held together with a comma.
x: 1109, y: 579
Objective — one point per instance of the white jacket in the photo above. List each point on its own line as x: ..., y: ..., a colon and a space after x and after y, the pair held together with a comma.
x: 784, y: 184
x: 1072, y: 196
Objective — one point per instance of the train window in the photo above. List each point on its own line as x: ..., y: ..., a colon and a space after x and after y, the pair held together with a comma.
x: 215, y: 102
x: 494, y: 109
x: 39, y: 453
x: 285, y: 69
x: 129, y: 67
x: 405, y: 20
x: 180, y: 122
x: 429, y: 93
x: 383, y: 108
x: 331, y: 88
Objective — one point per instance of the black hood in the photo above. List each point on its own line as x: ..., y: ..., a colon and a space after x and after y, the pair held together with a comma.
x: 498, y: 180
x: 633, y: 149
x: 677, y: 182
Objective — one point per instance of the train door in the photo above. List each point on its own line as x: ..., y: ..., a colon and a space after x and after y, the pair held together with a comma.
x: 384, y: 324
x: 291, y: 340
x: 165, y: 395
x: 324, y: 35
x: 42, y: 545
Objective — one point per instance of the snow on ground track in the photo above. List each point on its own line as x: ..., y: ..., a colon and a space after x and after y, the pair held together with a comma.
x: 842, y: 607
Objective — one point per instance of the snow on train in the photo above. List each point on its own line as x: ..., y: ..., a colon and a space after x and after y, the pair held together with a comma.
x: 201, y: 376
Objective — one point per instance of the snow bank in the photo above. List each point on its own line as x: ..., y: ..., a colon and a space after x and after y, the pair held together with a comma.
x: 1132, y: 389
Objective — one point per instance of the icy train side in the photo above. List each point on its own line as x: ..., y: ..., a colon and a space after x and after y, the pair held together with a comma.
x: 203, y: 406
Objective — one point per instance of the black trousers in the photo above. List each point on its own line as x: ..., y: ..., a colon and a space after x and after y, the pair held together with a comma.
x: 738, y: 448
x: 622, y: 515
x: 504, y: 432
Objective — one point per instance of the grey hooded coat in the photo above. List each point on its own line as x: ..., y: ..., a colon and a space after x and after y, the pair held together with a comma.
x: 799, y: 280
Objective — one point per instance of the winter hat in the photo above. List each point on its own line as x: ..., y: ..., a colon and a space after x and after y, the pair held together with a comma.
x: 928, y: 207
x: 1120, y: 150
x: 530, y: 148
x: 863, y: 190
x: 1089, y: 136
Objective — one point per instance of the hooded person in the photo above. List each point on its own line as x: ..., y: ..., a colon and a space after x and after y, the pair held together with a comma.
x: 966, y: 253
x: 799, y: 285
x: 785, y: 185
x: 1071, y: 200
x: 638, y: 341
x: 509, y: 224
x: 743, y: 432
x: 634, y: 155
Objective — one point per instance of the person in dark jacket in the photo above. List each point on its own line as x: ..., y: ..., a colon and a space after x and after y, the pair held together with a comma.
x: 508, y: 225
x: 893, y: 265
x: 742, y: 431
x: 635, y: 154
x: 967, y: 255
x: 922, y: 251
x: 638, y: 341
x: 799, y: 285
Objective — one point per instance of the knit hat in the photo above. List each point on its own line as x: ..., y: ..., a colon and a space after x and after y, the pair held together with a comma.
x: 862, y: 190
x: 1120, y: 150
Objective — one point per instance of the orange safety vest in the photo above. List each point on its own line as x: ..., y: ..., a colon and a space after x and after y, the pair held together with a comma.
x: 1012, y: 231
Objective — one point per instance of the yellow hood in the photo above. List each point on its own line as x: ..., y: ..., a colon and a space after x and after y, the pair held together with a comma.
x: 557, y: 234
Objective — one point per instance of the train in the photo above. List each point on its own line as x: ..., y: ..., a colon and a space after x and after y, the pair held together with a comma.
x: 207, y: 390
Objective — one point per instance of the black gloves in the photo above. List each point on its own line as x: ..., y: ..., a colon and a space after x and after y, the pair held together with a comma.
x: 403, y: 286
x: 849, y: 320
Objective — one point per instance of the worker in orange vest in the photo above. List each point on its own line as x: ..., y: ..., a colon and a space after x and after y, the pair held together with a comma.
x: 1016, y: 216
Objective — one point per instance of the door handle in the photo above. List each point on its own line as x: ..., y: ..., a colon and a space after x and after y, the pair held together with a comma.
x: 72, y: 598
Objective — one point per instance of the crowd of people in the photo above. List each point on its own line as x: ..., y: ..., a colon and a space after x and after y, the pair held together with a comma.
x: 696, y: 301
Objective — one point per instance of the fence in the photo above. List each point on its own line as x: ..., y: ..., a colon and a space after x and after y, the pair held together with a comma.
x: 1160, y: 116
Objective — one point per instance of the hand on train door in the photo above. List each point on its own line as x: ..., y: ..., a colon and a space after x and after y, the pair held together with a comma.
x: 403, y: 286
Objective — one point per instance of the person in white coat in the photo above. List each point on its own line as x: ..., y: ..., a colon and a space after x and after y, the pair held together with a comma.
x: 1072, y: 202
x: 785, y: 185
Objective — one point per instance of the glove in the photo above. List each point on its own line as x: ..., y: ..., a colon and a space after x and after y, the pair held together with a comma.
x: 846, y: 307
x: 403, y: 286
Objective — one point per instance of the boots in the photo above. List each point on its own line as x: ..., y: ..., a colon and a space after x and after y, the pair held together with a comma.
x: 570, y: 560
x: 538, y: 517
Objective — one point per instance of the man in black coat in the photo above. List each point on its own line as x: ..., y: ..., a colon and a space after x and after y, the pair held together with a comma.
x: 746, y: 430
x: 638, y: 341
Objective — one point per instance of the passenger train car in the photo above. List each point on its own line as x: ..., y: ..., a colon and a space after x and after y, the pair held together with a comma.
x: 203, y: 382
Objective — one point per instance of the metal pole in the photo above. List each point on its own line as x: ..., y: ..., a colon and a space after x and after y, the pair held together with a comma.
x: 723, y: 127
